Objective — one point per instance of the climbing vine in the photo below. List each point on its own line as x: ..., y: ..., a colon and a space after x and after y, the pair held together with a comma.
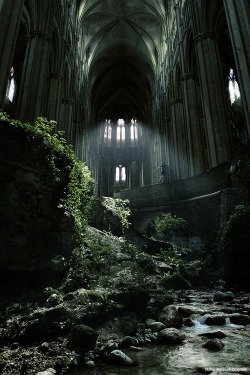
x: 78, y: 193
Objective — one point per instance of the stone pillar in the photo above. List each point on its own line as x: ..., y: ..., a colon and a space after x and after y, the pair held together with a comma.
x: 30, y: 103
x: 10, y: 16
x: 66, y: 114
x: 237, y: 13
x: 213, y: 93
x: 179, y: 158
x: 196, y: 133
x: 54, y: 97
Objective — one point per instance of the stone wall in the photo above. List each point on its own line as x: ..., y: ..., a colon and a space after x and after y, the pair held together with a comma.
x: 33, y: 230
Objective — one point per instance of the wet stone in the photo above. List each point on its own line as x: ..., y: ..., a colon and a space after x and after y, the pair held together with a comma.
x: 216, y: 320
x: 214, y: 334
x: 213, y: 344
x: 170, y: 336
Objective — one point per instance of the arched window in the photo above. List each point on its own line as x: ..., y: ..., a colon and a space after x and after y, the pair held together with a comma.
x: 108, y: 130
x: 121, y: 130
x: 120, y: 174
x: 11, y: 88
x: 233, y: 87
x: 133, y: 130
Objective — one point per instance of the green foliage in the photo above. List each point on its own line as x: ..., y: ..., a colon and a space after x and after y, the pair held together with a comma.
x: 165, y: 226
x: 109, y: 304
x: 170, y: 258
x: 79, y: 191
x: 238, y: 221
x: 119, y: 208
x: 145, y: 261
x: 240, y: 170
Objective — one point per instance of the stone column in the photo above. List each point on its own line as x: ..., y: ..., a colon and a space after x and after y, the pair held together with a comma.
x: 213, y: 93
x: 66, y: 114
x: 237, y: 13
x: 196, y: 133
x: 30, y: 103
x: 54, y: 97
x: 10, y: 16
x: 179, y: 158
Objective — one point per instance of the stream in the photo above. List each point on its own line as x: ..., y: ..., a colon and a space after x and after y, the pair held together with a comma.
x: 190, y: 357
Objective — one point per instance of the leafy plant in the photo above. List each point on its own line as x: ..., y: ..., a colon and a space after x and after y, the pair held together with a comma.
x: 119, y: 208
x: 109, y: 304
x: 78, y: 193
x: 164, y: 227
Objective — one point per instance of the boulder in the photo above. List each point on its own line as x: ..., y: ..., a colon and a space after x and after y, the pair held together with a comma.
x: 49, y: 371
x: 223, y: 296
x: 215, y: 320
x: 128, y: 341
x: 156, y: 326
x: 171, y: 317
x: 195, y: 273
x: 170, y: 336
x: 213, y: 344
x: 176, y: 282
x: 240, y: 319
x: 214, y: 334
x: 120, y: 358
x: 83, y: 337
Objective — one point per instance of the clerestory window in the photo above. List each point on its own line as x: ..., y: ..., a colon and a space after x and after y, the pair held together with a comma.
x: 11, y: 88
x: 108, y: 130
x: 233, y: 87
x: 120, y: 130
x: 133, y: 130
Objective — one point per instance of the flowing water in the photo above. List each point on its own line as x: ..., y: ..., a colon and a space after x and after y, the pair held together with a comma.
x: 189, y: 357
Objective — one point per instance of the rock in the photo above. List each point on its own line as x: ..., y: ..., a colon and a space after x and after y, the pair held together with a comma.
x: 128, y: 341
x: 223, y: 296
x: 83, y: 337
x: 195, y: 273
x: 213, y: 344
x: 38, y: 331
x: 170, y: 336
x: 90, y: 364
x: 176, y: 282
x: 128, y: 324
x: 156, y: 326
x: 215, y: 320
x: 171, y: 317
x: 185, y: 311
x: 53, y: 300
x: 118, y: 357
x: 240, y: 319
x: 49, y: 371
x: 188, y: 322
x: 214, y: 334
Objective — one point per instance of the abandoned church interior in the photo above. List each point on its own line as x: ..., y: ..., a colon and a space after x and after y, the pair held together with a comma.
x: 154, y: 98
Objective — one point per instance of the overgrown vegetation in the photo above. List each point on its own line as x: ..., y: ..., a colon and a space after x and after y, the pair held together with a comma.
x: 165, y: 227
x: 62, y: 159
x: 119, y: 208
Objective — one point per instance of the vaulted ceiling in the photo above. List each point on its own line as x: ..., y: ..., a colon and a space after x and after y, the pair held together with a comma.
x: 121, y: 41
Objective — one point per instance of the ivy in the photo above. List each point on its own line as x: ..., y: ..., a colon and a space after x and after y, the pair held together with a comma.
x: 78, y: 193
